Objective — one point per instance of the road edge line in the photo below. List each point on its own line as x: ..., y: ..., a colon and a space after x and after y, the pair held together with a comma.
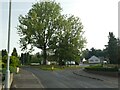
x: 38, y: 80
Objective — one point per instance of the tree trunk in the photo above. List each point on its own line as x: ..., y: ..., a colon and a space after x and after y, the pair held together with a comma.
x: 45, y: 55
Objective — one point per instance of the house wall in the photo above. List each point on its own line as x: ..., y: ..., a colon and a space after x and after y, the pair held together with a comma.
x: 94, y: 61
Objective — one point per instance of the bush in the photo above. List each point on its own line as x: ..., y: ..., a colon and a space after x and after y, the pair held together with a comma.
x: 14, y: 61
x: 35, y: 60
x: 12, y: 70
x: 100, y: 68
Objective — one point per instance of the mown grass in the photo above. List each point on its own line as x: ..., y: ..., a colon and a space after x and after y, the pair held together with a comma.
x: 55, y: 67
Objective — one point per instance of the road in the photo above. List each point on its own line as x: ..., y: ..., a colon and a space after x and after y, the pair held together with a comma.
x: 66, y: 79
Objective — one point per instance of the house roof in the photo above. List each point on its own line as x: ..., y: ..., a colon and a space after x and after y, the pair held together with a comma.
x: 94, y: 58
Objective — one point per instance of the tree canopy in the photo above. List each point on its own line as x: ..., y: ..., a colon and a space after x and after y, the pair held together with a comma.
x: 46, y: 28
x: 112, y: 48
x: 14, y: 53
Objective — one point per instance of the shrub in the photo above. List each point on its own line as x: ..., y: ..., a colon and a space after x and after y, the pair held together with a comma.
x: 100, y: 68
x: 14, y: 61
x: 12, y: 70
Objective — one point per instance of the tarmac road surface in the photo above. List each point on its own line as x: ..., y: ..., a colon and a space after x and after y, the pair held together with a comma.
x: 67, y: 79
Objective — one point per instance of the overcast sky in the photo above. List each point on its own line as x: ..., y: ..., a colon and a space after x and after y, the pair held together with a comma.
x: 99, y: 17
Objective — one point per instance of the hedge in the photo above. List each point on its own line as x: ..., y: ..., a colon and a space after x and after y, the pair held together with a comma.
x: 95, y: 68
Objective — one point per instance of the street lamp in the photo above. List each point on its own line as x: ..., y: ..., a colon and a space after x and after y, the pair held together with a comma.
x: 7, y: 78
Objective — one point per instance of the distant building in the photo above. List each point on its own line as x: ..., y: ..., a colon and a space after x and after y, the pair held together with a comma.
x: 94, y: 60
x: 52, y: 63
x: 70, y: 63
x: 84, y: 60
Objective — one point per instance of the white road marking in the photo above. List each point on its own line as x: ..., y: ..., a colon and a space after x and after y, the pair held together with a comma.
x: 38, y: 81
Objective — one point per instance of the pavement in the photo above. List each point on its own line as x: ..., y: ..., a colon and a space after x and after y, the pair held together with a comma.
x: 26, y: 79
x: 109, y: 79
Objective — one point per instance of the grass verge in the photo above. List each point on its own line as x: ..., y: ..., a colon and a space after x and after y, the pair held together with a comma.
x: 55, y: 67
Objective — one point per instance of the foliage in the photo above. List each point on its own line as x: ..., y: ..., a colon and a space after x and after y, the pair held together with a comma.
x: 110, y: 53
x: 25, y: 58
x: 70, y: 41
x: 100, y: 68
x: 4, y: 56
x: 0, y: 55
x: 14, y: 61
x: 12, y: 70
x: 112, y: 48
x: 14, y: 53
x: 4, y: 60
x: 1, y: 63
x: 37, y: 28
x: 118, y: 52
x: 4, y: 52
x: 45, y: 28
x: 89, y: 53
x: 36, y: 58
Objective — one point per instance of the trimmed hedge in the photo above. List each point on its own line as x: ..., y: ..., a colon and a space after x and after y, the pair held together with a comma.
x: 99, y: 68
x: 12, y: 70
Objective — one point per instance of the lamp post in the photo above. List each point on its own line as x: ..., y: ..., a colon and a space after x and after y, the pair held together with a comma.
x: 7, y: 78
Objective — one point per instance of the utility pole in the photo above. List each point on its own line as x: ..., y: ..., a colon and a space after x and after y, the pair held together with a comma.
x: 7, y: 78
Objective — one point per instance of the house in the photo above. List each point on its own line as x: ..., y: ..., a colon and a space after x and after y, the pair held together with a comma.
x: 94, y: 60
x: 70, y: 63
x: 84, y: 60
x: 51, y: 62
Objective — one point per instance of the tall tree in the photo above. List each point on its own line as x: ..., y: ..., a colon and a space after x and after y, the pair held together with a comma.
x: 22, y: 58
x: 85, y: 54
x: 4, y: 56
x: 118, y: 51
x: 70, y: 40
x: 14, y: 53
x: 89, y: 53
x: 37, y: 28
x: 92, y: 51
x: 44, y: 27
x: 4, y: 52
x: 112, y: 48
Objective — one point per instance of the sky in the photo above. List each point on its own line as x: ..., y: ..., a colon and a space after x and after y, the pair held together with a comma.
x: 99, y: 17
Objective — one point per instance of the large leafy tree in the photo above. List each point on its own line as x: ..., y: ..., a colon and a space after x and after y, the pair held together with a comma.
x: 38, y: 26
x: 44, y: 27
x: 70, y: 40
